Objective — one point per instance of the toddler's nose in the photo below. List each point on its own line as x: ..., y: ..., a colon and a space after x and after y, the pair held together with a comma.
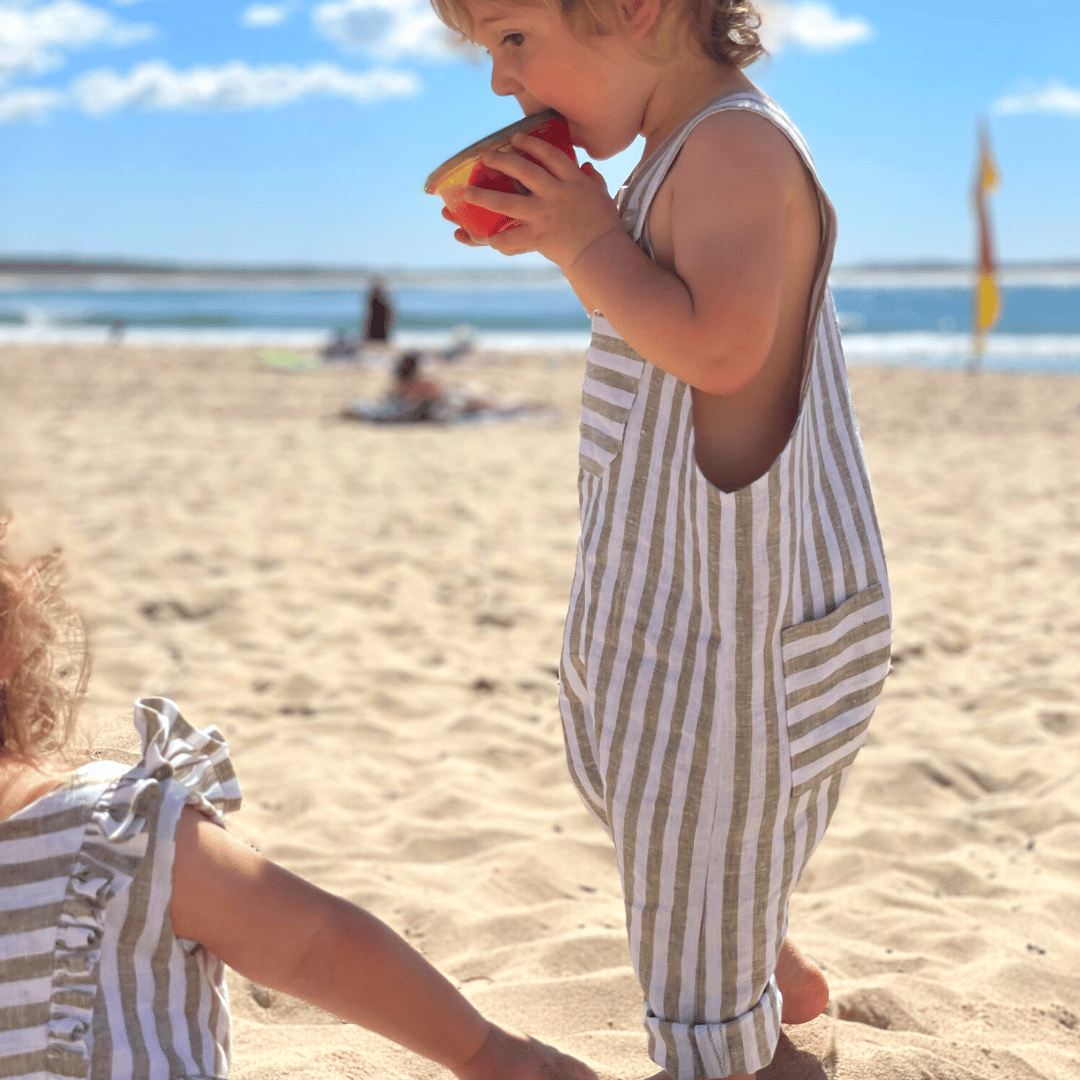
x: 502, y: 82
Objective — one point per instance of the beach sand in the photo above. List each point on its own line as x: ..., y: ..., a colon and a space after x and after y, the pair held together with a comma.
x: 372, y: 616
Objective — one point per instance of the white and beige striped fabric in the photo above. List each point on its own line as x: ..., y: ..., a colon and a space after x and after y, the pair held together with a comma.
x: 722, y: 657
x: 93, y: 982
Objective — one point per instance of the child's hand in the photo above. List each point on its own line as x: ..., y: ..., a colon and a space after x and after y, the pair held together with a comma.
x: 568, y: 209
x: 506, y: 1056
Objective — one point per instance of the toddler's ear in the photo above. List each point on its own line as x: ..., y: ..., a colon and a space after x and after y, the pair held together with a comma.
x: 640, y: 17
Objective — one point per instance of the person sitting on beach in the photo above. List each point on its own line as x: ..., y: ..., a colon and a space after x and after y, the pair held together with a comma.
x: 340, y: 347
x: 410, y: 389
x: 728, y: 633
x: 124, y: 896
x: 418, y: 398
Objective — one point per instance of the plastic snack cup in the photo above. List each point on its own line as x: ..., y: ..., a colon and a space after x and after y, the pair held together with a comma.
x: 452, y: 177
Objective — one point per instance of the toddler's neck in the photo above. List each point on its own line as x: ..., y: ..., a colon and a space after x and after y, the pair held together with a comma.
x: 21, y: 783
x: 687, y: 82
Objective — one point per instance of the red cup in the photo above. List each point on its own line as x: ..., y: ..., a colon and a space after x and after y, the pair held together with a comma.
x: 452, y: 177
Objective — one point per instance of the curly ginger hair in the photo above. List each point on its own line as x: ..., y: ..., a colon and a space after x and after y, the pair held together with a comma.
x: 44, y: 664
x: 726, y: 30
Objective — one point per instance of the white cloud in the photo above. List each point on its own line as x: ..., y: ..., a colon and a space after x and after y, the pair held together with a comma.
x: 35, y: 36
x: 263, y: 15
x: 384, y: 28
x: 1055, y: 97
x: 810, y: 25
x: 236, y: 85
x: 28, y: 104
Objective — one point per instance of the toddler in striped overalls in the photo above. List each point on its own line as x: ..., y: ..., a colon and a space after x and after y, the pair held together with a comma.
x: 729, y: 624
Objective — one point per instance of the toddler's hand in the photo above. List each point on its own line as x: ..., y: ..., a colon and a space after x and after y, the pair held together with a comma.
x: 460, y: 235
x: 505, y: 1056
x: 568, y: 209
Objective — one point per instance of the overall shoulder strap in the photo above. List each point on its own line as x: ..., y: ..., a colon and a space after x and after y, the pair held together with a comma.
x: 636, y: 195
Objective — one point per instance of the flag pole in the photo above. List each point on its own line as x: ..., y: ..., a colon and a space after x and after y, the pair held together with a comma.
x: 987, y: 300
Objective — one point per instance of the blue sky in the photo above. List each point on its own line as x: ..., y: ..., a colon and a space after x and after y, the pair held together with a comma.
x: 302, y: 130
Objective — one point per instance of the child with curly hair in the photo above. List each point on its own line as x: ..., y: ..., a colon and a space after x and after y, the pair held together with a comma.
x: 122, y: 897
x: 729, y: 625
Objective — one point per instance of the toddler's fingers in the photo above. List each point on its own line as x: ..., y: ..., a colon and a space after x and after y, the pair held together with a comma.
x: 532, y: 176
x: 514, y: 206
x: 591, y: 172
x: 460, y: 235
x: 511, y: 241
x: 560, y: 1066
x: 551, y: 157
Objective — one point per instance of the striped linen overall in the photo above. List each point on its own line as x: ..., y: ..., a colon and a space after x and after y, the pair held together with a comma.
x: 722, y: 657
x: 94, y: 984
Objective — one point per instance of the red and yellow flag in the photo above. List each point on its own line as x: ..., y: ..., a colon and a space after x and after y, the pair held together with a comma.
x: 987, y: 299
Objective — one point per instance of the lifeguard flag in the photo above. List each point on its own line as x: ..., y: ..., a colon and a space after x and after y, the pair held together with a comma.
x: 987, y: 299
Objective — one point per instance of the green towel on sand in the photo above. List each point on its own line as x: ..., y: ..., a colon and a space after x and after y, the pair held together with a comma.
x: 284, y: 360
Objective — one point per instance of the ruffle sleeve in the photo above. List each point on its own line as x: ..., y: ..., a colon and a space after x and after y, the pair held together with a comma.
x: 113, y: 848
x: 174, y: 750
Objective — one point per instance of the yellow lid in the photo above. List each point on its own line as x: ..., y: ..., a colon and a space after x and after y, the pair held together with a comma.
x: 489, y: 142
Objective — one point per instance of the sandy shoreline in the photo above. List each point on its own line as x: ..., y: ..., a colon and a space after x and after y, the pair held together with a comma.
x: 373, y: 616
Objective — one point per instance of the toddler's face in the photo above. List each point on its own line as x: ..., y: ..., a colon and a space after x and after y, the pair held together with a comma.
x: 596, y: 83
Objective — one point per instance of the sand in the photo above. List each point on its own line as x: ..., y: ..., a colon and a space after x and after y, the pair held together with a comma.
x: 372, y: 616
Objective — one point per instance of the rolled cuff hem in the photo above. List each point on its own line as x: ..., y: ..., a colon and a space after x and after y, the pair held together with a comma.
x: 742, y: 1044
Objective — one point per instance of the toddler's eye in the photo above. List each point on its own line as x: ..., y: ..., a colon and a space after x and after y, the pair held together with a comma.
x: 514, y: 39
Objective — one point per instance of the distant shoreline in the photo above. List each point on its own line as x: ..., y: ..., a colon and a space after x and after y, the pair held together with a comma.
x: 21, y: 273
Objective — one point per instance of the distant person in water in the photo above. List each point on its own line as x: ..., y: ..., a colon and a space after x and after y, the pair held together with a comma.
x: 116, y: 331
x: 379, y: 315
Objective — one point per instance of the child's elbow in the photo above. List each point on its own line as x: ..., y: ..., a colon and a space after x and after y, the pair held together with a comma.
x: 726, y: 374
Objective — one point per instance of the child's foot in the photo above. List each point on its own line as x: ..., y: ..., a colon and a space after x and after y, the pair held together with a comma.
x: 803, y: 986
x: 804, y: 989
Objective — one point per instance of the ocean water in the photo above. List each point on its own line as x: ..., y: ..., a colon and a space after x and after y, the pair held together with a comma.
x: 897, y: 323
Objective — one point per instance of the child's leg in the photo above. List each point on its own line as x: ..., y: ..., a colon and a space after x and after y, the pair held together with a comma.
x: 804, y: 989
x: 710, y: 844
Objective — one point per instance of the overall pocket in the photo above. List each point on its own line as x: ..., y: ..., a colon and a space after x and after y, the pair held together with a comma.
x: 612, y: 373
x: 834, y: 668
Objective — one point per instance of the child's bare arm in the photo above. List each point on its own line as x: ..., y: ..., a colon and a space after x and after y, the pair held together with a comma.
x: 712, y: 319
x: 285, y: 933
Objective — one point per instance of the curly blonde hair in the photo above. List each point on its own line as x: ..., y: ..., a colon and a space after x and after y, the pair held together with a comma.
x: 726, y: 30
x: 44, y: 664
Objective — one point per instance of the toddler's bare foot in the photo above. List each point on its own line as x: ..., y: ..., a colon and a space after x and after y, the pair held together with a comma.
x: 803, y: 986
x: 805, y: 992
x: 507, y: 1056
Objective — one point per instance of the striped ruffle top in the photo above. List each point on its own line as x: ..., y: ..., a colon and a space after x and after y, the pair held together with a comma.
x: 93, y: 982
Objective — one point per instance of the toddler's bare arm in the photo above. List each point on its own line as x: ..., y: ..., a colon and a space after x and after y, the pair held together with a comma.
x: 709, y: 318
x: 283, y: 932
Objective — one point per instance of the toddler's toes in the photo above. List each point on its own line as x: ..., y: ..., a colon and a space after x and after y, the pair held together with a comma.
x: 802, y: 984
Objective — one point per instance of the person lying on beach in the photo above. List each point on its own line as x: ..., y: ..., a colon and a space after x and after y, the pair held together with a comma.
x: 412, y: 390
x: 124, y: 896
x: 412, y: 399
x: 728, y: 634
